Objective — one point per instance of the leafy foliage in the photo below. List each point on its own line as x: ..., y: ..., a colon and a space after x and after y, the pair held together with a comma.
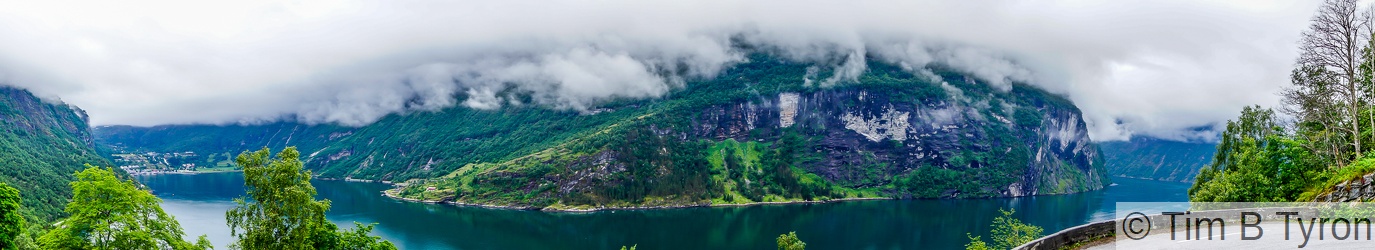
x: 1008, y: 232
x: 976, y: 243
x: 361, y: 238
x: 1256, y: 161
x: 1326, y: 181
x: 41, y: 145
x: 283, y: 212
x: 789, y: 241
x: 11, y: 222
x: 110, y: 213
x: 1334, y: 128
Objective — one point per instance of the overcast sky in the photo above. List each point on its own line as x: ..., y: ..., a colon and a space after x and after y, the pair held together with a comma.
x: 1153, y: 67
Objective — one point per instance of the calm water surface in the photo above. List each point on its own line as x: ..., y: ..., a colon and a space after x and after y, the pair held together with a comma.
x: 199, y: 203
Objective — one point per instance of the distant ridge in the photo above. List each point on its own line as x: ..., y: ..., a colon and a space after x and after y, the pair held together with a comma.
x: 1157, y: 159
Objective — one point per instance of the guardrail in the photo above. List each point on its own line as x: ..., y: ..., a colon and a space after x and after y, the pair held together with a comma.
x: 1108, y: 228
x: 1073, y: 235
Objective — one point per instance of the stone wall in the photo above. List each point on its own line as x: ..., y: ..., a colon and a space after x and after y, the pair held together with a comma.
x: 1359, y: 189
x: 1099, y: 230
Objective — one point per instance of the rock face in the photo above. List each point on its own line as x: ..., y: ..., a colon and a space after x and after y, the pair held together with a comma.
x: 892, y: 124
x: 787, y: 109
x: 1359, y: 189
x: 25, y: 112
x: 868, y: 138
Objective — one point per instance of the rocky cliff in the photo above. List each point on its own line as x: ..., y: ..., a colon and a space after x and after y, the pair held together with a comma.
x: 41, y: 144
x: 25, y: 113
x: 860, y: 132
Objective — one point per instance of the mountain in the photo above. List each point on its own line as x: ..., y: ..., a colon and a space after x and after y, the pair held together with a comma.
x: 759, y: 131
x: 1157, y: 159
x: 41, y: 145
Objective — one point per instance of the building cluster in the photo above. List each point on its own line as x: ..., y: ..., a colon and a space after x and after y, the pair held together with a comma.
x: 156, y: 163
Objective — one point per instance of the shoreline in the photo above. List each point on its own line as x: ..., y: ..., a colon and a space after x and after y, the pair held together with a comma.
x: 387, y: 193
x: 706, y: 205
x: 1149, y: 179
x: 183, y: 172
x: 604, y: 209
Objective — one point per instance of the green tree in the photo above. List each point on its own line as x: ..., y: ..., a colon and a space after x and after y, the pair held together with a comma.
x: 780, y: 162
x: 11, y: 222
x: 1008, y: 232
x: 789, y: 241
x: 734, y: 167
x: 110, y: 213
x: 1328, y: 91
x: 1256, y: 161
x: 281, y: 212
x: 975, y: 243
x: 360, y: 238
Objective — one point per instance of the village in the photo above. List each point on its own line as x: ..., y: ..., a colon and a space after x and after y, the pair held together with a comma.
x: 154, y: 163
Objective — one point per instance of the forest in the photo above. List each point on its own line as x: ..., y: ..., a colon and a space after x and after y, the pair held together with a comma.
x: 1264, y: 157
x: 41, y: 145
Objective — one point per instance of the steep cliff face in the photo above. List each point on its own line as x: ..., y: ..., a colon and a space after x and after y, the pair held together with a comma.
x: 41, y: 145
x: 859, y: 131
x: 25, y: 113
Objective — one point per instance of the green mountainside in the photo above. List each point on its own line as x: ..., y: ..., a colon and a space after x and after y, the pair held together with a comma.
x: 41, y: 145
x: 755, y: 133
x: 1157, y: 159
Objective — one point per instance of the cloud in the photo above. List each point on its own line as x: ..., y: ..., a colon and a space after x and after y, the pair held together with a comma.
x: 1157, y: 67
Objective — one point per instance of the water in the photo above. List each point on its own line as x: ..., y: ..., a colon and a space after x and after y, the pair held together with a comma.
x: 199, y: 202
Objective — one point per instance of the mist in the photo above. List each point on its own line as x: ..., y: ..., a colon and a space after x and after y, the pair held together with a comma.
x: 1157, y: 68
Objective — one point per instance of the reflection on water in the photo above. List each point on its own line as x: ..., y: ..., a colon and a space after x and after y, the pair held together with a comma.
x: 199, y: 202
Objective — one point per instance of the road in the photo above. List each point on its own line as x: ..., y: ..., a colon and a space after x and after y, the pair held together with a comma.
x: 1273, y: 237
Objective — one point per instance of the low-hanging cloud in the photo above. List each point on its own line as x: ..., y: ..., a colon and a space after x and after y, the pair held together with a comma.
x: 1156, y: 67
